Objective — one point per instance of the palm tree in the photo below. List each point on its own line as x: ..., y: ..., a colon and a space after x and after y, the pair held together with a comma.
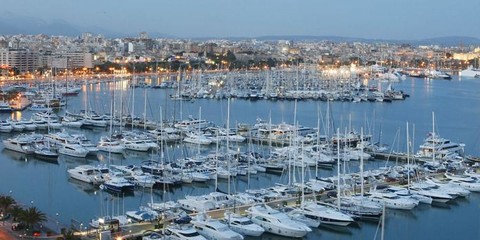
x: 32, y: 216
x: 15, y: 211
x: 6, y: 202
x: 69, y: 235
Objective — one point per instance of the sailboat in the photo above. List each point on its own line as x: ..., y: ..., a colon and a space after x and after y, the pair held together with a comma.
x: 358, y: 206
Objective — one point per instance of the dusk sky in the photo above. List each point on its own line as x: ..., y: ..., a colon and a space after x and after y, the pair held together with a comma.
x: 380, y: 19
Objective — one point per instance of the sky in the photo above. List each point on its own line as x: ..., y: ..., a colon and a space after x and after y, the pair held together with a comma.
x: 372, y: 19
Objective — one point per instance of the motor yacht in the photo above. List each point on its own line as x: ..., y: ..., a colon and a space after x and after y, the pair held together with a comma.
x: 86, y: 173
x: 74, y: 150
x: 106, y: 144
x: 118, y: 184
x: 243, y: 225
x: 276, y: 222
x: 182, y: 232
x: 22, y: 144
x: 214, y: 229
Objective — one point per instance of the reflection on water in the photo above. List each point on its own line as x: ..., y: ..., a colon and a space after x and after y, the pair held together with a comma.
x: 16, y: 115
x: 15, y: 155
x: 83, y: 186
x: 49, y: 185
x: 401, y: 213
x: 268, y: 236
x: 336, y: 229
x: 443, y: 206
x: 105, y: 157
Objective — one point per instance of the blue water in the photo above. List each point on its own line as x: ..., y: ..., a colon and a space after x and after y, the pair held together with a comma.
x: 456, y: 104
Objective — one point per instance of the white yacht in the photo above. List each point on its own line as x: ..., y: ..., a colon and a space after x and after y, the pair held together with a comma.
x: 192, y: 124
x: 85, y: 142
x: 5, y: 107
x: 74, y: 150
x: 39, y: 107
x: 86, y: 173
x: 17, y: 126
x: 53, y: 124
x: 61, y: 138
x: 429, y: 190
x: 106, y: 144
x: 22, y: 144
x: 467, y: 182
x: 197, y: 139
x: 165, y: 134
x: 297, y: 214
x: 442, y: 147
x: 40, y: 123
x: 276, y: 222
x: 409, y: 194
x: 182, y: 232
x: 470, y: 72
x: 163, y: 206
x: 144, y: 214
x: 214, y: 229
x: 196, y: 204
x: 94, y: 120
x: 29, y: 125
x: 221, y: 200
x: 72, y: 122
x: 99, y: 222
x: 231, y: 135
x: 135, y: 144
x: 392, y: 200
x: 448, y: 187
x: 143, y: 180
x: 195, y: 175
x: 5, y: 126
x: 326, y: 213
x: 243, y: 225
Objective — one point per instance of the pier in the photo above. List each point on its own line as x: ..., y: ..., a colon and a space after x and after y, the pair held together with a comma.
x: 21, y: 104
x: 135, y: 230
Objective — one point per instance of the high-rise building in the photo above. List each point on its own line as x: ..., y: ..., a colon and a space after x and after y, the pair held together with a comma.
x: 72, y: 60
x: 143, y: 35
x: 21, y: 59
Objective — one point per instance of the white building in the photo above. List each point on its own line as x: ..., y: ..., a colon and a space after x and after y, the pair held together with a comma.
x: 22, y: 59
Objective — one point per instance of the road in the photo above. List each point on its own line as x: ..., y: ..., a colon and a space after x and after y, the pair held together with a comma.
x: 4, y: 235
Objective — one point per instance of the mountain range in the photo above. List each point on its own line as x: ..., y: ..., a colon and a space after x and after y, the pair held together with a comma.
x: 12, y: 24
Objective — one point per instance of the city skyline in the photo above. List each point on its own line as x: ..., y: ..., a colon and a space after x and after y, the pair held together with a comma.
x: 376, y: 19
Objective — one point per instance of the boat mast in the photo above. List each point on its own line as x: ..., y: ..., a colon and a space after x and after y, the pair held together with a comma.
x: 112, y: 105
x: 433, y: 136
x: 318, y: 142
x: 216, y: 163
x: 408, y: 159
x: 145, y: 110
x: 361, y: 163
x: 66, y: 86
x: 132, y: 85
x: 228, y: 142
x: 338, y: 168
x: 199, y: 124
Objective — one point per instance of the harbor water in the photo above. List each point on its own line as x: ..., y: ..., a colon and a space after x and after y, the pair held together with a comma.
x: 456, y: 104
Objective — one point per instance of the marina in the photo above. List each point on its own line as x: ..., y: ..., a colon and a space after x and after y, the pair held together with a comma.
x: 383, y: 124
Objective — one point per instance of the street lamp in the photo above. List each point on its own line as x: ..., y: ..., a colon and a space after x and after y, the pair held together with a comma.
x: 56, y: 220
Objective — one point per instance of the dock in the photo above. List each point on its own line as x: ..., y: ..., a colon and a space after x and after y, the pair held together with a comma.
x: 21, y: 104
x: 136, y: 230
